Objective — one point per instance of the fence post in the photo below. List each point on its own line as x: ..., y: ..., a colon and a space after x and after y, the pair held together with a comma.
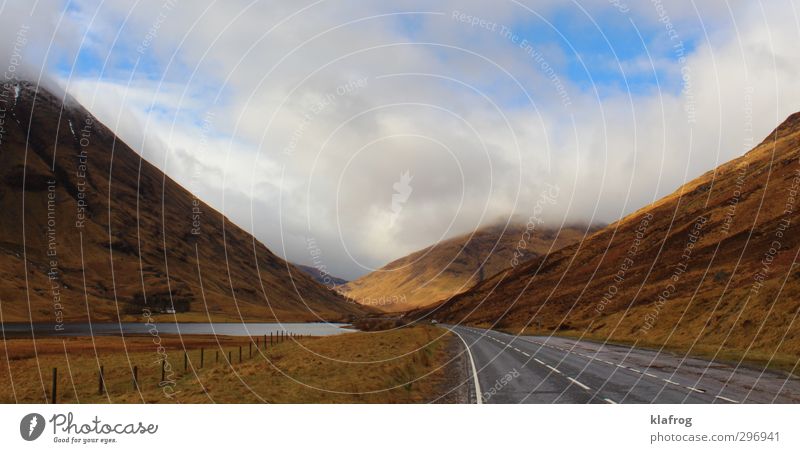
x: 251, y: 349
x: 240, y: 354
x: 229, y: 358
x: 100, y: 382
x: 202, y: 353
x: 136, y: 378
x: 216, y: 357
x: 185, y: 361
x: 54, y: 396
x: 265, y: 342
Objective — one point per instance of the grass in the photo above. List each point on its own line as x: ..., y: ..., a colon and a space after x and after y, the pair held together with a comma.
x: 400, y: 366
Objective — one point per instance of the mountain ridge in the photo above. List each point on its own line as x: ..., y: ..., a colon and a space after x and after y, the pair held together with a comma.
x: 696, y: 280
x: 82, y: 206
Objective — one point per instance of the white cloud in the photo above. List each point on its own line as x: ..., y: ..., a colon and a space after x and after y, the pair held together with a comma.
x: 437, y: 98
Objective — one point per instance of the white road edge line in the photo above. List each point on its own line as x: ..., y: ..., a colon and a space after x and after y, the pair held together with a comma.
x: 579, y: 384
x: 474, y: 370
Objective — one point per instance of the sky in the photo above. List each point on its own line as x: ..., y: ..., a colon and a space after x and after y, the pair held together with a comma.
x: 374, y: 129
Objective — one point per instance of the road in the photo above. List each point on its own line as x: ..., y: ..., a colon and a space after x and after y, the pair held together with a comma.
x: 532, y: 369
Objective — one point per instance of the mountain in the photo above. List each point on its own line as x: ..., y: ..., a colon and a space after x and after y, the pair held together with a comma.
x: 455, y: 265
x: 322, y: 276
x: 710, y: 267
x: 91, y: 231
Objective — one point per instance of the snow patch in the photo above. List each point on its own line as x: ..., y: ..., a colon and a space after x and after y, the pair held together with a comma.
x: 72, y: 129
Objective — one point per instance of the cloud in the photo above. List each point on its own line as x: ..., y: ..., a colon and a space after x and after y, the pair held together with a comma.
x: 297, y: 119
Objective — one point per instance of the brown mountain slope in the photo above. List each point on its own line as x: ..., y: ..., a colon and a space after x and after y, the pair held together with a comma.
x: 91, y: 231
x: 455, y: 265
x: 708, y: 268
x: 321, y: 276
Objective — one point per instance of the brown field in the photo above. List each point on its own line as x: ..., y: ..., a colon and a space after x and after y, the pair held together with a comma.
x: 401, y: 366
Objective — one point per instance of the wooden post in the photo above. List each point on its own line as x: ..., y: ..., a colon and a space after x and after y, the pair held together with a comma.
x: 202, y: 353
x: 54, y: 395
x: 163, y: 368
x: 216, y: 357
x: 240, y: 354
x: 100, y: 382
x: 271, y: 342
x: 229, y: 358
x: 136, y: 377
x: 185, y: 361
x: 251, y: 350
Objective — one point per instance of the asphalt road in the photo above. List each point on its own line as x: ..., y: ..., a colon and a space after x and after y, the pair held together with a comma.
x: 529, y: 369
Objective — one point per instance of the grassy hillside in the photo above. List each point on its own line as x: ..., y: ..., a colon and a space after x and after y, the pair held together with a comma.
x: 455, y: 265
x: 91, y: 231
x: 709, y: 269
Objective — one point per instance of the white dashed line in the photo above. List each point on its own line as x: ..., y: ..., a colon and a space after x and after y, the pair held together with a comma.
x: 651, y: 375
x: 526, y: 354
x: 539, y: 361
x: 579, y: 384
x: 609, y: 401
x: 726, y: 399
x: 670, y: 382
x: 548, y: 366
x: 695, y: 390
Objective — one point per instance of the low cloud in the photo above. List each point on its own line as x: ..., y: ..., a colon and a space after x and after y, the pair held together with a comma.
x: 318, y: 109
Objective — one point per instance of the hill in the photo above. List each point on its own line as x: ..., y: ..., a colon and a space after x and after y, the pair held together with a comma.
x: 455, y: 265
x: 709, y: 268
x: 91, y: 231
x: 321, y: 276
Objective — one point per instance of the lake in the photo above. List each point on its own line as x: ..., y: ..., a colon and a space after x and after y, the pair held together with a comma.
x: 171, y: 328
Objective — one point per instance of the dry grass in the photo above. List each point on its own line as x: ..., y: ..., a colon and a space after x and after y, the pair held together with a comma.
x: 401, y: 366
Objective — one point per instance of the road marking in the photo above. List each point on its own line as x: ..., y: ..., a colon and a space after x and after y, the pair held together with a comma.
x: 579, y: 384
x: 670, y: 382
x: 539, y: 361
x: 526, y: 354
x: 726, y: 399
x: 548, y: 366
x: 651, y: 375
x: 609, y: 401
x: 517, y: 349
x: 474, y: 370
x: 635, y: 370
x: 695, y: 390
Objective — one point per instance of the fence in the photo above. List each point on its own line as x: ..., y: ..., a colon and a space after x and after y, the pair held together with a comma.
x: 267, y: 341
